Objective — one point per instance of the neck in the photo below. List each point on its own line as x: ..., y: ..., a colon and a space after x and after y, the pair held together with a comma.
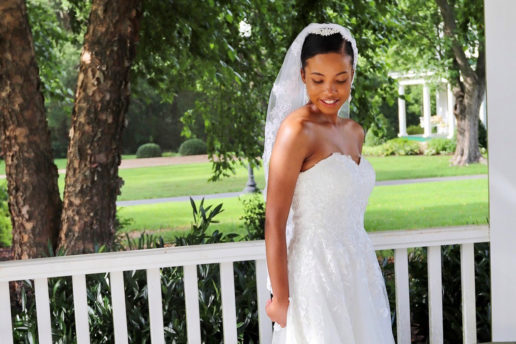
x: 324, y: 117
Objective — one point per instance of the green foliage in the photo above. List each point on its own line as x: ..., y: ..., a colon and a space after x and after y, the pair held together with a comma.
x: 440, y: 145
x: 397, y: 146
x: 254, y: 216
x: 482, y: 135
x: 401, y: 146
x: 149, y: 115
x: 192, y: 147
x: 452, y: 315
x: 415, y: 130
x: 148, y: 150
x: 5, y: 220
x: 371, y: 139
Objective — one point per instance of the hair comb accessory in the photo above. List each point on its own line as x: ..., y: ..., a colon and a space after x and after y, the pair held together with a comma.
x: 325, y: 31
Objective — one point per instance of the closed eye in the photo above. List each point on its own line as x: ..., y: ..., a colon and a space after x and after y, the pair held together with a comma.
x: 342, y: 81
x: 317, y: 81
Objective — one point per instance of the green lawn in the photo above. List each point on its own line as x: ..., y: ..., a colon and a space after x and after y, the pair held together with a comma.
x: 423, y: 205
x: 192, y: 179
x: 408, y: 206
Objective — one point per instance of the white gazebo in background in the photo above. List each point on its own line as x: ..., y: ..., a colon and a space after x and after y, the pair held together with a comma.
x: 444, y: 100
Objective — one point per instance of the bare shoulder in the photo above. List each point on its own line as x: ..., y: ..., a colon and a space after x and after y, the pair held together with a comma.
x: 296, y: 123
x: 356, y: 128
x: 295, y: 132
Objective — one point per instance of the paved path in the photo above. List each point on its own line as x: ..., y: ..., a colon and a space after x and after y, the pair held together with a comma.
x: 235, y: 194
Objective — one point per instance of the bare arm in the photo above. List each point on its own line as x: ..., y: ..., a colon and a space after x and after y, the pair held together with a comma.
x: 287, y: 157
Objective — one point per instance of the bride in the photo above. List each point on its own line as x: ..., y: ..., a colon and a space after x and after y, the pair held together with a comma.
x: 323, y: 273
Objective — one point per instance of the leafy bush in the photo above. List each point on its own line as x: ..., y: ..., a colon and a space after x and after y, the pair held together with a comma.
x: 440, y: 145
x: 5, y: 220
x: 148, y: 150
x: 373, y: 150
x: 254, y: 216
x: 192, y: 147
x: 401, y: 146
x: 380, y: 131
x: 415, y: 130
x: 371, y: 139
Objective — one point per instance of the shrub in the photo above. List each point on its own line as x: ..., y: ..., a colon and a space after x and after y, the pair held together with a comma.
x: 373, y: 150
x: 380, y: 131
x: 148, y: 150
x: 401, y: 146
x: 254, y: 216
x: 5, y: 220
x: 440, y: 145
x: 192, y: 147
x: 415, y: 130
x: 371, y: 139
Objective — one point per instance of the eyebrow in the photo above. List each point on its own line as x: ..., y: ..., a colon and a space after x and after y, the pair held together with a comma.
x: 317, y: 73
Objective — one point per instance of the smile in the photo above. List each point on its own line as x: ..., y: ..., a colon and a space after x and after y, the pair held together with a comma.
x: 330, y: 101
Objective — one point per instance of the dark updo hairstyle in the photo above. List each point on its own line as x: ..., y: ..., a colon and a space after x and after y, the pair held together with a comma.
x: 319, y: 44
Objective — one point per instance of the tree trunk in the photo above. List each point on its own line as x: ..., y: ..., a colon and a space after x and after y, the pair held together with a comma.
x: 466, y: 112
x: 34, y: 201
x: 101, y: 101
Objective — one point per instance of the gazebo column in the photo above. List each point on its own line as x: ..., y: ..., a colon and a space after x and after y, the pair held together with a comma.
x: 441, y: 104
x: 450, y: 120
x: 426, y: 111
x: 402, y: 113
x: 483, y: 113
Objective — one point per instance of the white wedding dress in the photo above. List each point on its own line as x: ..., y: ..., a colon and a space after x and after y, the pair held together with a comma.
x: 337, y: 292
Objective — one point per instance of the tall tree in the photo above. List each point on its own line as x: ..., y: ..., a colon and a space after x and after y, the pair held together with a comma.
x: 34, y: 202
x: 101, y: 100
x: 469, y: 83
x: 445, y: 37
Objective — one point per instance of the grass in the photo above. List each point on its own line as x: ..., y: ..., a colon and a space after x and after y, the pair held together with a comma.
x: 406, y: 206
x: 192, y: 179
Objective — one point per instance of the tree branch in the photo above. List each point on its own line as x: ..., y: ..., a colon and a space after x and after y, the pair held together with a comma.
x: 449, y: 30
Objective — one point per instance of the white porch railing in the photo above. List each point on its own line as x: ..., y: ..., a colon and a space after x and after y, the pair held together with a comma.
x: 225, y: 254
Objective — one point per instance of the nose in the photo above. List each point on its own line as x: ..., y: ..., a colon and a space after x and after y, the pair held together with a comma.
x: 331, y: 88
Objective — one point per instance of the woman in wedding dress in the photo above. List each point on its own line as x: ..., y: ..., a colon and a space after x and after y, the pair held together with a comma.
x: 323, y: 273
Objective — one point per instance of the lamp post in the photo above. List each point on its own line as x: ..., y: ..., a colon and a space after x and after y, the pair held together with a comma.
x: 251, y: 184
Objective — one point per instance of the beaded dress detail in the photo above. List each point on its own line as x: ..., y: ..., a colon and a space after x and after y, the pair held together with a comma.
x: 337, y: 291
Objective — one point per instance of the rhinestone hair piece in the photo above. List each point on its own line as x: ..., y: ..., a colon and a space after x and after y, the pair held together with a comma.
x: 325, y: 31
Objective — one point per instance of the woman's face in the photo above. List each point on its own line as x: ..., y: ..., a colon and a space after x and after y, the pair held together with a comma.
x: 328, y: 80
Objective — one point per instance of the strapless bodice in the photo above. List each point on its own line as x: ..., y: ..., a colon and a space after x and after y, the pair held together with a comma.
x: 332, y: 195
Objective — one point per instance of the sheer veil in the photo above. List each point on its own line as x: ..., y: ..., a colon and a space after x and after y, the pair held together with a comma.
x: 289, y: 93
